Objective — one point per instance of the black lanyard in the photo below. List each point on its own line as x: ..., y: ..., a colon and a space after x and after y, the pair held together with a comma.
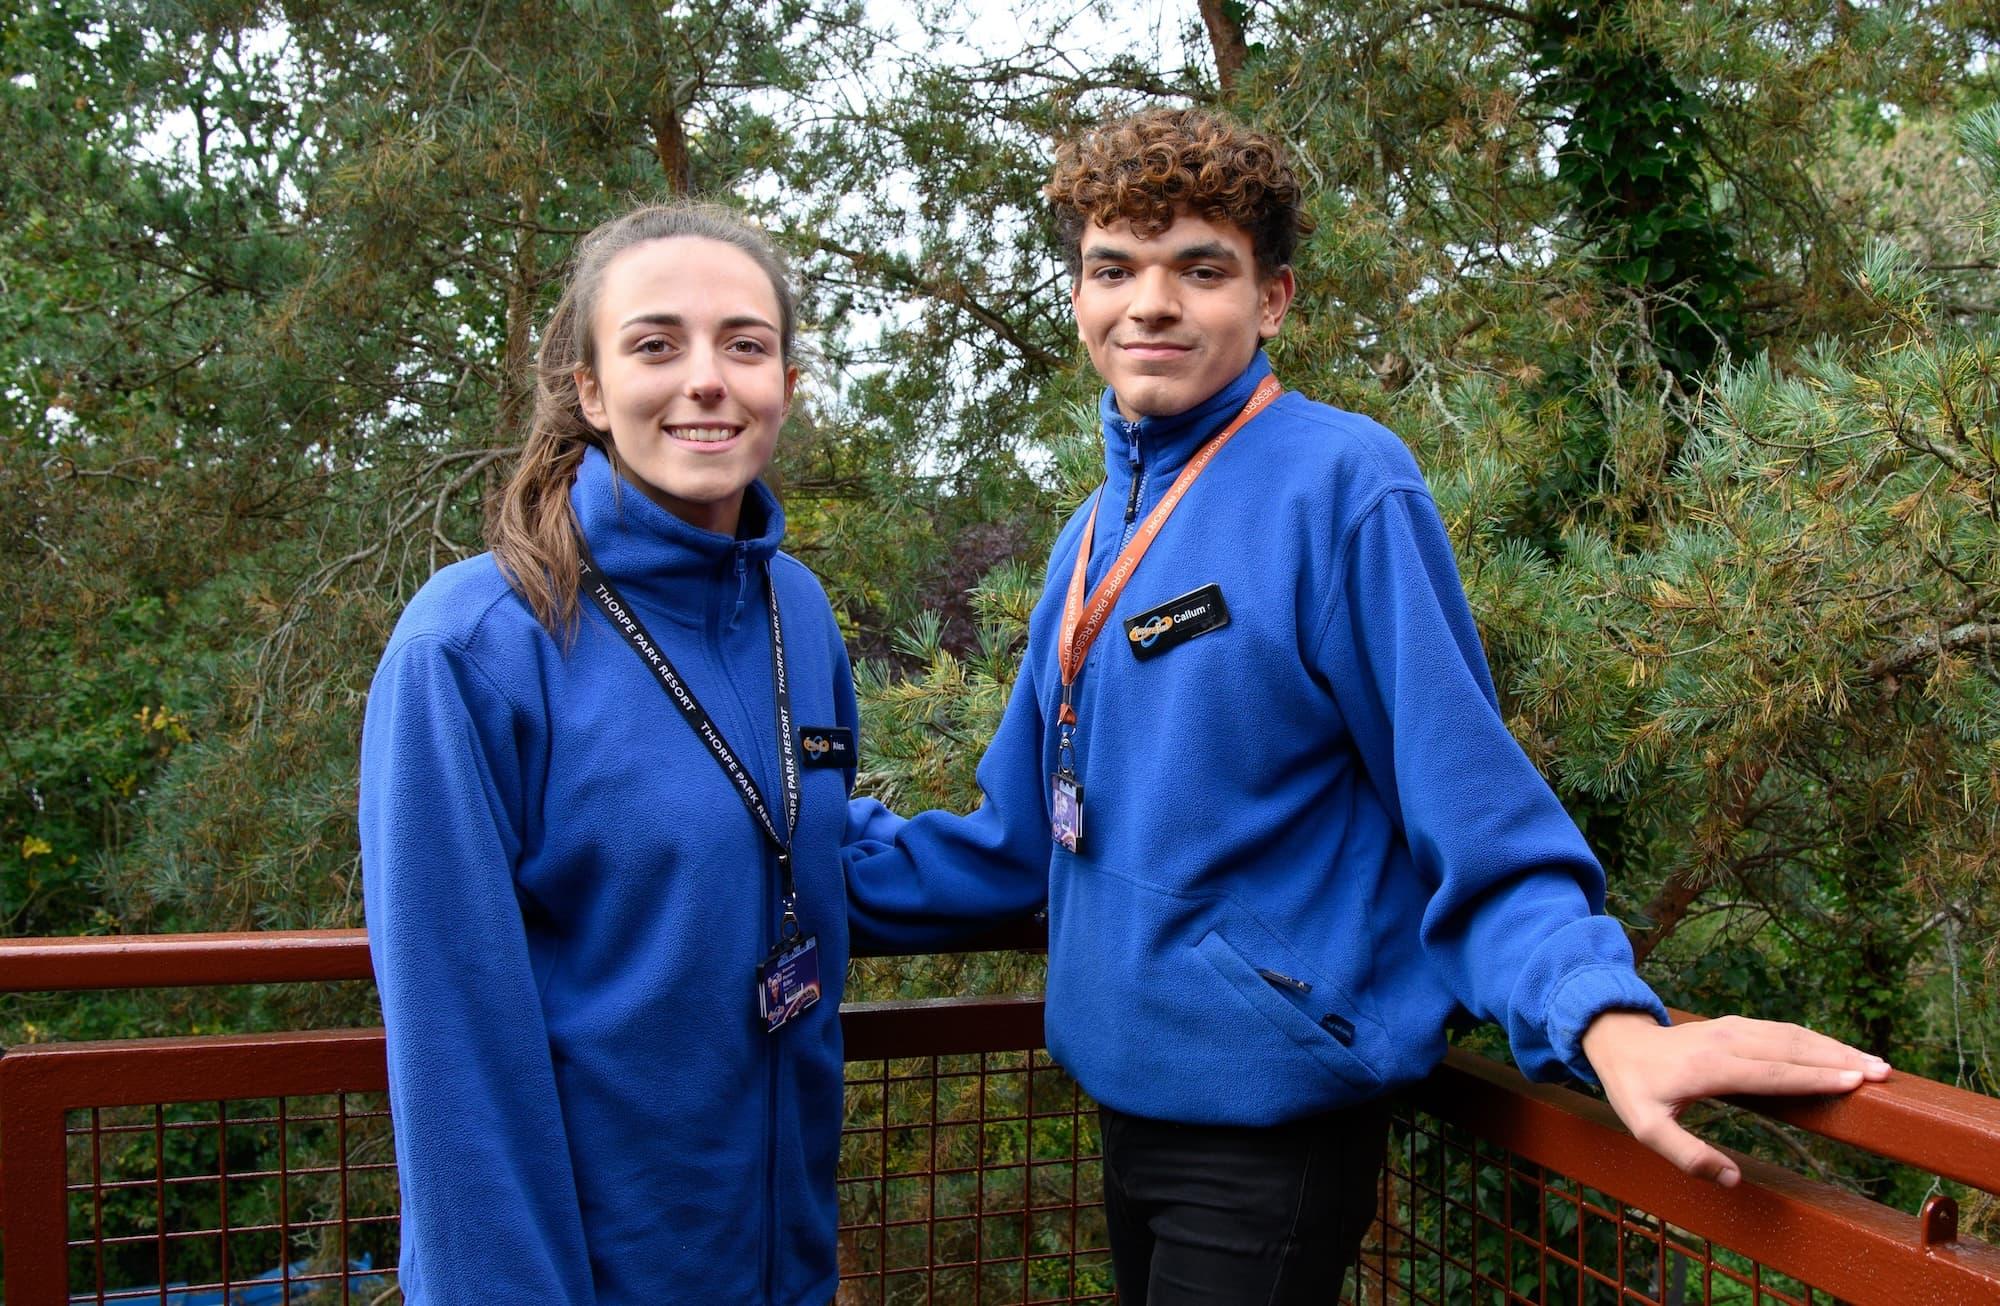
x: 626, y: 621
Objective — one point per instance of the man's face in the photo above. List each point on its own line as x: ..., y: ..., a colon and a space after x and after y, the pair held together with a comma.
x: 1171, y: 319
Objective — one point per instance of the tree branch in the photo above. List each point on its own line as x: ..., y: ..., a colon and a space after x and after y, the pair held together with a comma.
x: 951, y: 293
x: 1669, y: 908
x: 1923, y: 647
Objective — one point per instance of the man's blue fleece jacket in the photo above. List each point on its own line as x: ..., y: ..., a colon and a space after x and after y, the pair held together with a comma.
x: 566, y: 905
x: 1308, y: 838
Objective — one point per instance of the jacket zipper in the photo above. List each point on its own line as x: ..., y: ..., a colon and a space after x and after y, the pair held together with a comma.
x: 771, y: 1172
x: 742, y: 553
x: 769, y: 1269
x: 724, y: 617
x: 1138, y: 480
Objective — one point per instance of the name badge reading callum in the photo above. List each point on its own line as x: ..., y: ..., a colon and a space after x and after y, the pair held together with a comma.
x: 788, y: 981
x: 826, y: 745
x: 1176, y: 621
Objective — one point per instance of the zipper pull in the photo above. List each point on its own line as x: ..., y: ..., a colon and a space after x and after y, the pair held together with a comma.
x: 742, y: 550
x: 1132, y: 457
x: 1284, y: 981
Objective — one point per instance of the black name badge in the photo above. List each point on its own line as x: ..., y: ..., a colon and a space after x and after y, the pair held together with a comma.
x: 1176, y: 621
x: 826, y: 745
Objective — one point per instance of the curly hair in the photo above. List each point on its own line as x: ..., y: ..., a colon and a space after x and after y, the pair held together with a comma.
x: 1147, y: 168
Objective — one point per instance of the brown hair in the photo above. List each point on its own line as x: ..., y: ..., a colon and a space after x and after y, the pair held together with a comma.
x: 1146, y: 168
x: 533, y: 533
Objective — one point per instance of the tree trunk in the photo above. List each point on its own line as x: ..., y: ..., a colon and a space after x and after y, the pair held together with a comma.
x: 670, y: 143
x: 1225, y: 34
x: 1890, y: 974
x: 1670, y: 906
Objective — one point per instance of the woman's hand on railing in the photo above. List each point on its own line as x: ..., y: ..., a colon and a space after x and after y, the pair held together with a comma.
x: 1652, y: 1072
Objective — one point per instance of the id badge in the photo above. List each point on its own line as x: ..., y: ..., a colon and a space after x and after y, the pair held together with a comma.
x: 1066, y: 809
x: 788, y: 981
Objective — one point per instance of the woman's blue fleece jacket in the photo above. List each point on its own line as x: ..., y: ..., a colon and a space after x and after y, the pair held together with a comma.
x: 566, y: 903
x: 1308, y: 838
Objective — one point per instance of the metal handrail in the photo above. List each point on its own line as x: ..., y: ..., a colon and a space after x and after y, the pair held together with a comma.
x: 1936, y: 1127
x: 177, y: 961
x: 1804, y: 1227
x: 1793, y: 1224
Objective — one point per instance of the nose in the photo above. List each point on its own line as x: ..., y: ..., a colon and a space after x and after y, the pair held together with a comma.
x: 1153, y: 297
x: 703, y: 381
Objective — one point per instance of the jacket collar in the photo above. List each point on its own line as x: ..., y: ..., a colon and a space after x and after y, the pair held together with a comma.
x: 1165, y: 444
x: 660, y: 561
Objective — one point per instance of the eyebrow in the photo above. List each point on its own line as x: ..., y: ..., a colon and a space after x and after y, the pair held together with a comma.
x: 676, y: 320
x: 1206, y: 252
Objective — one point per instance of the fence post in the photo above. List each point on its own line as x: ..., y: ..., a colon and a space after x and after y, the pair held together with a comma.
x: 34, y: 1203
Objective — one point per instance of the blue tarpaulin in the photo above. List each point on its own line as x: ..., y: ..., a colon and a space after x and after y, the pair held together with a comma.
x: 268, y: 1288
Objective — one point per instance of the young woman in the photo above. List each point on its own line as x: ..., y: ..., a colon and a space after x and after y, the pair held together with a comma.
x: 604, y: 783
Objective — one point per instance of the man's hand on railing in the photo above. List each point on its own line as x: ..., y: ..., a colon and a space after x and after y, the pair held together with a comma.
x: 1651, y: 1072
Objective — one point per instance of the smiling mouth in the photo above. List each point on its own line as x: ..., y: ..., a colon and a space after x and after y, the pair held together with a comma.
x: 704, y: 434
x: 1155, y: 348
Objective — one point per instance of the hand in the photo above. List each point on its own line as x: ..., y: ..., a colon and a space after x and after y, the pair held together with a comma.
x: 1651, y: 1072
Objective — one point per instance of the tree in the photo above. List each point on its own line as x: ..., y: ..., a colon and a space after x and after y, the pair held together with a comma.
x: 1717, y: 461
x: 1698, y: 664
x: 281, y: 284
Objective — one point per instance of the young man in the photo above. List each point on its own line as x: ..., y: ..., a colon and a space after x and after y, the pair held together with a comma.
x: 1294, y: 835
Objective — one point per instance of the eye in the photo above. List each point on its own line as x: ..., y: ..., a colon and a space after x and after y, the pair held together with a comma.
x: 1204, y: 275
x: 748, y: 346
x: 653, y: 346
x: 1110, y: 273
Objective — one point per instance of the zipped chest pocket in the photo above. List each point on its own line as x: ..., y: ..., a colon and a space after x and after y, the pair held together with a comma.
x: 1310, y: 1016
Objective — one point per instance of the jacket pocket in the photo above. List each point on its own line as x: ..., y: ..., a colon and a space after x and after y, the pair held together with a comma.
x: 1315, y: 1036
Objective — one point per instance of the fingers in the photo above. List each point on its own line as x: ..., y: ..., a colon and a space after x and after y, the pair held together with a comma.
x: 1783, y: 1078
x: 1720, y: 1074
x: 1776, y: 1041
x: 1688, y: 1154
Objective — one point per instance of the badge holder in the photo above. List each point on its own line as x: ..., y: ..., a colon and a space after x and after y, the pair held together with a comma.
x: 1065, y: 789
x: 788, y: 979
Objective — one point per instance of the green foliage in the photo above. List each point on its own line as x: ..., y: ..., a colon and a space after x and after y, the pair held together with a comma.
x: 1687, y: 310
x: 1633, y: 164
x: 985, y: 1148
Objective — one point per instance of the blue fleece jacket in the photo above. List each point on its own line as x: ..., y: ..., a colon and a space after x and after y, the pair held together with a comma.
x: 566, y: 902
x: 1308, y: 836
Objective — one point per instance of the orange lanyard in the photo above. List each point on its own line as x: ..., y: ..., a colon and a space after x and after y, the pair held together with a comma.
x: 1080, y: 622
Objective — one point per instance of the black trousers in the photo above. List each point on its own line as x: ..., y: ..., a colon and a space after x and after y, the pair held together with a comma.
x: 1225, y: 1215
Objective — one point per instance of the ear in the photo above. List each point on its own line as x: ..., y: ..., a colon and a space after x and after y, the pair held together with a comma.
x: 590, y: 399
x: 1274, y: 298
x: 791, y: 386
x: 1076, y: 285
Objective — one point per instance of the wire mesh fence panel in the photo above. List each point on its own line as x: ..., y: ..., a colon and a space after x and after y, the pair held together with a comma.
x: 970, y: 1178
x: 1462, y: 1220
x: 966, y: 1174
x: 962, y: 1178
x: 289, y: 1199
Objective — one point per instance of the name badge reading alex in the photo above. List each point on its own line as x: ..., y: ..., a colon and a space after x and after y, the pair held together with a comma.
x: 826, y: 745
x: 1176, y: 621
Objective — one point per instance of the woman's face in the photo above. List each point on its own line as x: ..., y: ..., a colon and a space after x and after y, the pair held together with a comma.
x: 690, y: 380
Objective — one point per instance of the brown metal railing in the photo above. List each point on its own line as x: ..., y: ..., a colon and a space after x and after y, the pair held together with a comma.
x: 968, y: 1170
x: 1536, y: 1193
